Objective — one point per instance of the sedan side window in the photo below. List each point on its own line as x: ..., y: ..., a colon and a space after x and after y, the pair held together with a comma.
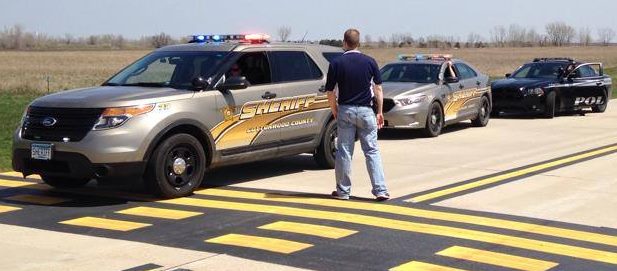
x: 466, y: 71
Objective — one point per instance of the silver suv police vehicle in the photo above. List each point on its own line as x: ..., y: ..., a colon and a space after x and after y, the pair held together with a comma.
x: 429, y: 92
x: 181, y: 110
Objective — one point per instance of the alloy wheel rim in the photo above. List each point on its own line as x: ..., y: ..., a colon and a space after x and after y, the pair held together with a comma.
x: 180, y: 166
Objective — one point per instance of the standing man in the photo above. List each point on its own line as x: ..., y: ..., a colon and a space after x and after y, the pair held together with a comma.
x: 355, y: 73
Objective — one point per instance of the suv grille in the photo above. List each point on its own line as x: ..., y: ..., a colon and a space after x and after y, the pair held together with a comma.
x: 71, y: 123
x: 388, y: 104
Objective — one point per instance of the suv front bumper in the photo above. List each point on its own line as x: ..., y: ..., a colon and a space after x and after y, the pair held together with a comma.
x: 73, y: 165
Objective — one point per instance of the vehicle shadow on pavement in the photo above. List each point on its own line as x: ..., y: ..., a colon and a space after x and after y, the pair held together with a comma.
x: 404, y: 134
x: 258, y: 170
x: 528, y: 116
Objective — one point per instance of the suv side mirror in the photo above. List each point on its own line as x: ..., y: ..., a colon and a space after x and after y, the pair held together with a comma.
x: 234, y: 82
x: 199, y: 83
x: 451, y: 80
x: 508, y: 75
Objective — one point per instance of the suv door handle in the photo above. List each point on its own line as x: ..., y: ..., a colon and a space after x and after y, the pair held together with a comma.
x: 461, y: 86
x: 478, y: 83
x: 599, y: 83
x: 322, y: 88
x: 268, y: 95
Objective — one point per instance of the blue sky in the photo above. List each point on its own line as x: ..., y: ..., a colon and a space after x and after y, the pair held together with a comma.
x: 321, y: 18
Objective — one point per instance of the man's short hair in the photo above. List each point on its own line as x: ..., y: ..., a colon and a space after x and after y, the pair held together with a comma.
x: 352, y: 38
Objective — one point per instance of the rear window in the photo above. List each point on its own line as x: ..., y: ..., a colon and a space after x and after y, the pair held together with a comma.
x: 293, y: 66
x: 332, y: 55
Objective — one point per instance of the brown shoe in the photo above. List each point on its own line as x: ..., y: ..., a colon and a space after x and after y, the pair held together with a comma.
x: 383, y: 197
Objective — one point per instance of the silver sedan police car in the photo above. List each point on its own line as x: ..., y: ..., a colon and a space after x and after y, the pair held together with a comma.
x: 429, y: 92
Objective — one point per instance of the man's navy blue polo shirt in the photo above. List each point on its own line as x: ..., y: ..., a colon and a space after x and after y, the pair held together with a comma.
x: 353, y: 72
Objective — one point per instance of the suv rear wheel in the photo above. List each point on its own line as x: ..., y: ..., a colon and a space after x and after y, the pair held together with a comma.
x: 62, y: 182
x: 177, y: 166
x: 325, y: 154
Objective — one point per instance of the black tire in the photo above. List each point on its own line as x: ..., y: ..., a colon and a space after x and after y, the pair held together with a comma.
x: 434, y: 121
x: 325, y: 154
x: 62, y: 182
x: 484, y: 113
x: 549, y: 109
x: 602, y: 107
x: 177, y: 167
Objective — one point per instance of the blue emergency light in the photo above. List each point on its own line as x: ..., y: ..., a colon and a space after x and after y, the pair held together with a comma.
x: 242, y: 38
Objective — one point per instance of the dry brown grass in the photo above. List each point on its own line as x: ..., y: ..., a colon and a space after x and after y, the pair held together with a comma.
x: 27, y: 71
x: 497, y: 61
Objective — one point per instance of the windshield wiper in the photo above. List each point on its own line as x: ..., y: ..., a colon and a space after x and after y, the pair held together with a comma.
x: 111, y: 84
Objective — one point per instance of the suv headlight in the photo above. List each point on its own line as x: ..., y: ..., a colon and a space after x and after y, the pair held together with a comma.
x: 533, y: 91
x: 410, y: 100
x: 116, y: 116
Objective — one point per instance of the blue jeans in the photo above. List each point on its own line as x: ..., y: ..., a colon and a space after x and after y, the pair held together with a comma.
x: 360, y: 121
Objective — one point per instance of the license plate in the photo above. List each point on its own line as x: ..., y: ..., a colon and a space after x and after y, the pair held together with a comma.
x: 41, y: 151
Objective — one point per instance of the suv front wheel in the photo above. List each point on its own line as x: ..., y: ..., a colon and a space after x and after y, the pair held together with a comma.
x: 177, y: 166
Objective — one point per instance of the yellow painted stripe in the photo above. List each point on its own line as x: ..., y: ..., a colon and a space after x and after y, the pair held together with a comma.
x: 421, y: 266
x: 414, y: 212
x: 37, y: 199
x: 308, y: 229
x: 4, y: 209
x: 106, y: 224
x: 20, y: 175
x: 31, y: 185
x: 487, y: 237
x: 499, y: 178
x: 498, y: 259
x: 159, y: 213
x: 263, y: 243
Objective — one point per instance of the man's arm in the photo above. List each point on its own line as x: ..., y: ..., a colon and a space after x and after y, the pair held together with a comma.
x: 330, y: 85
x: 379, y: 101
x: 332, y: 102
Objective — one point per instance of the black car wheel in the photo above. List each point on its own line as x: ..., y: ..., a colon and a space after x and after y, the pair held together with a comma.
x: 434, y: 120
x: 549, y: 109
x: 602, y: 107
x: 484, y: 113
x: 325, y: 154
x: 62, y: 182
x: 177, y: 167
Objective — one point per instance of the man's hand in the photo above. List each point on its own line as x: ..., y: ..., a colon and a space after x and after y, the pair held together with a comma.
x: 380, y: 121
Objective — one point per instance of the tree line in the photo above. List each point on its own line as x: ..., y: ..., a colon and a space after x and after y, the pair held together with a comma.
x: 514, y: 35
x: 17, y: 38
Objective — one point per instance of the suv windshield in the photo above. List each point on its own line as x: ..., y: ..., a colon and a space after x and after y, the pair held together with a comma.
x: 169, y: 69
x: 417, y: 73
x: 539, y: 70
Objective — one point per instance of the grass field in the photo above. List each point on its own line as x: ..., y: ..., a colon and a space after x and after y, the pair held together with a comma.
x: 23, y: 75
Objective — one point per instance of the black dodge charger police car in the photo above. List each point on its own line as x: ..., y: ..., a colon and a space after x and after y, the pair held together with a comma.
x: 552, y: 85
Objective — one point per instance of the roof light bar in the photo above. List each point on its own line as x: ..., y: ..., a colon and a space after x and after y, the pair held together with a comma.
x: 249, y: 38
x: 408, y: 57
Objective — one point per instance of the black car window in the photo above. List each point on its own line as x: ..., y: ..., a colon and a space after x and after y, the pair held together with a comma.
x: 294, y: 66
x: 587, y: 71
x: 465, y: 71
x: 331, y: 56
x: 254, y: 66
x: 539, y: 70
x: 417, y: 73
